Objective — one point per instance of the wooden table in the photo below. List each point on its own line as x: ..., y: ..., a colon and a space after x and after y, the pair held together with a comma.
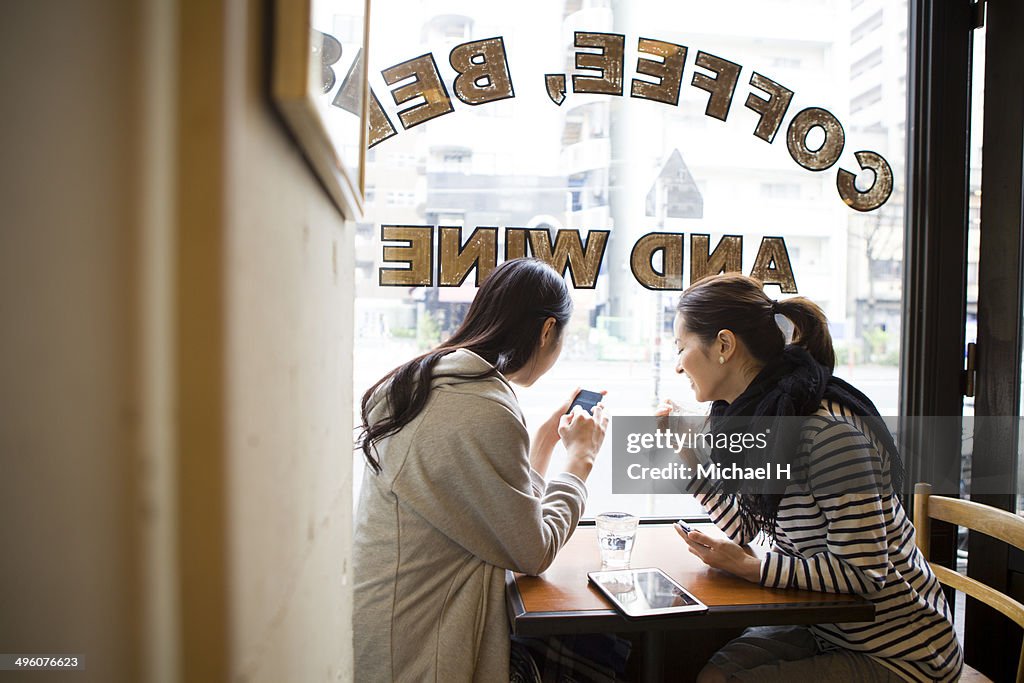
x: 561, y: 600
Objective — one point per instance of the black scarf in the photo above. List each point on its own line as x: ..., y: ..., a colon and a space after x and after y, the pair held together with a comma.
x: 793, y: 385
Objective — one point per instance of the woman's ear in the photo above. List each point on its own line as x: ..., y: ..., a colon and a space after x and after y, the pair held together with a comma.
x: 725, y: 343
x: 548, y: 333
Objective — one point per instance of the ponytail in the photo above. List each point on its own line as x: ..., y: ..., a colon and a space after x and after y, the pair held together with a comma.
x: 811, y: 328
x: 731, y: 301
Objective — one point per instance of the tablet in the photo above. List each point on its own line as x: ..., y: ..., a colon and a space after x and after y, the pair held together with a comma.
x: 645, y: 592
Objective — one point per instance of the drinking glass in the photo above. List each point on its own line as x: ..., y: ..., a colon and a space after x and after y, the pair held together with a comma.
x: 616, y: 534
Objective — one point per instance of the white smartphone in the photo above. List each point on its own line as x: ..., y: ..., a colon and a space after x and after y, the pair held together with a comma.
x: 645, y: 592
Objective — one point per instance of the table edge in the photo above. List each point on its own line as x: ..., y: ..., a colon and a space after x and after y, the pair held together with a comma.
x: 523, y: 623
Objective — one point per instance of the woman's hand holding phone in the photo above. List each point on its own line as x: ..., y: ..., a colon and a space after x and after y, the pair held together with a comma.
x: 547, y: 434
x: 721, y: 553
x: 583, y: 433
x: 548, y: 431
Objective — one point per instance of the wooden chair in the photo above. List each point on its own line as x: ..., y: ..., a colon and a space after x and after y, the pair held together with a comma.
x: 977, y: 517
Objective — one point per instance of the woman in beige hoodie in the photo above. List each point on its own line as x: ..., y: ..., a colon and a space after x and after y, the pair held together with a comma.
x: 455, y: 494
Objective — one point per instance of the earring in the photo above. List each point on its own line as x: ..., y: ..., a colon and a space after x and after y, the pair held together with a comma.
x: 721, y: 360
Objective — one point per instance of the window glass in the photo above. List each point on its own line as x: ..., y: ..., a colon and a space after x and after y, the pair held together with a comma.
x: 634, y: 165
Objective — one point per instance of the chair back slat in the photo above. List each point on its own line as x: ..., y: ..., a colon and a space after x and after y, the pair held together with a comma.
x: 994, y: 522
x: 976, y: 589
x: 1005, y: 526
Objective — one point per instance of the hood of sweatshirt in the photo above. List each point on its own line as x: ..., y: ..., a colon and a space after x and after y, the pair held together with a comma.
x: 455, y: 373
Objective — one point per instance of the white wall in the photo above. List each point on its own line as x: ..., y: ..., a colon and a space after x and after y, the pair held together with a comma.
x: 69, y: 433
x: 175, y: 353
x: 288, y: 341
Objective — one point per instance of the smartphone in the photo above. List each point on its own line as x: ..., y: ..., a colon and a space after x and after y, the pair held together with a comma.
x: 645, y: 592
x: 586, y: 400
x: 688, y: 529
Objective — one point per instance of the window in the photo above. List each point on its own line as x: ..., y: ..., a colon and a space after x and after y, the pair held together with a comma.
x: 873, y: 59
x: 866, y: 99
x: 448, y: 28
x: 450, y: 159
x: 780, y: 190
x: 576, y: 183
x: 572, y: 132
x: 867, y: 27
x: 400, y: 198
x: 594, y: 163
x: 786, y: 62
x: 886, y: 269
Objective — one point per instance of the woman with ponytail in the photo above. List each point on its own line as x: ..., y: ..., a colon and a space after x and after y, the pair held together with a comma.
x: 455, y: 494
x: 837, y: 524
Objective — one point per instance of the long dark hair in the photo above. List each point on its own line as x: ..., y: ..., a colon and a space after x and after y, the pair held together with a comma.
x: 732, y: 301
x: 503, y: 327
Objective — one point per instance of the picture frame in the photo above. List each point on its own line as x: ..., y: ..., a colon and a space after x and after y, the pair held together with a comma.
x: 320, y: 87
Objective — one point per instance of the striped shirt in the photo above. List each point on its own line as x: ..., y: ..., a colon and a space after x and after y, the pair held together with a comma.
x: 830, y: 538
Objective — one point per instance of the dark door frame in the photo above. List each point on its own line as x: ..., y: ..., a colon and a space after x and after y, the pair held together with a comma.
x: 939, y: 89
x: 935, y: 269
x: 1000, y: 306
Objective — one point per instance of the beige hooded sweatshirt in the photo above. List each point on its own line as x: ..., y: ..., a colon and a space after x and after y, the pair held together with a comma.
x: 455, y: 506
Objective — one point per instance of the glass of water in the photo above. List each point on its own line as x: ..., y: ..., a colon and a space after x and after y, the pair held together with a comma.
x: 616, y: 533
